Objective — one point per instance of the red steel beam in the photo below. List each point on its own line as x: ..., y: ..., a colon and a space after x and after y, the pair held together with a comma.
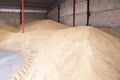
x: 74, y: 2
x: 23, y: 16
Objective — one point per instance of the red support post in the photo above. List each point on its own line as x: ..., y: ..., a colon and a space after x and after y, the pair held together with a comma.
x: 23, y: 17
x: 74, y: 2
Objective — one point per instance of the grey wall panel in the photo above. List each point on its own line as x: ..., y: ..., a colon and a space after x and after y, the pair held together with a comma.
x: 67, y: 20
x: 105, y: 18
x: 9, y: 18
x: 14, y: 18
x: 81, y: 19
x: 105, y: 13
x: 81, y: 6
x: 81, y: 13
x: 34, y: 16
x: 102, y: 5
x: 53, y: 14
x: 66, y: 12
x: 66, y: 8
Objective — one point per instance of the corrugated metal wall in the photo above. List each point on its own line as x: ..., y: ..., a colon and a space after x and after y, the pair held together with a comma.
x: 53, y: 14
x: 66, y: 12
x: 9, y: 18
x: 34, y: 16
x: 103, y: 13
x: 14, y: 17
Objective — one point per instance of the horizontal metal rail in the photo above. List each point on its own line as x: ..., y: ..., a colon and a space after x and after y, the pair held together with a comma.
x: 19, y: 10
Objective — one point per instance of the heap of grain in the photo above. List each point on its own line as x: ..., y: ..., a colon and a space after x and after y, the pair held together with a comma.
x: 35, y: 25
x: 111, y: 32
x: 41, y: 28
x: 9, y: 28
x: 80, y: 53
x: 44, y: 24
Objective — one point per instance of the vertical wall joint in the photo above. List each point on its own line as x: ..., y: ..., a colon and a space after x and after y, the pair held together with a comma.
x: 88, y: 12
x: 58, y: 12
x: 74, y: 2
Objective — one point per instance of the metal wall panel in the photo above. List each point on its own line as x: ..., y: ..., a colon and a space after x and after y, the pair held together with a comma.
x: 14, y: 17
x: 66, y: 13
x: 103, y: 13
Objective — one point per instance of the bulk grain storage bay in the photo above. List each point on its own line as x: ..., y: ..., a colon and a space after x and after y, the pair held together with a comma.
x: 59, y: 40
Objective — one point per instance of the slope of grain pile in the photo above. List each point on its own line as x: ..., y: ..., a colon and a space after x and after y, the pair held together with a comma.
x: 9, y: 28
x: 35, y: 25
x: 44, y: 24
x: 80, y: 53
x: 40, y: 27
x: 111, y: 31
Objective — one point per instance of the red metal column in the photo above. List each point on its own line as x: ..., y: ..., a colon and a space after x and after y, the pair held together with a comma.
x: 74, y: 2
x: 23, y: 17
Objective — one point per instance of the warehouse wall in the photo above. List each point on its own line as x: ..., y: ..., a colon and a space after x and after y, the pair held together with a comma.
x: 14, y: 17
x: 66, y: 12
x: 53, y: 14
x: 104, y: 13
x: 9, y: 18
x: 34, y: 16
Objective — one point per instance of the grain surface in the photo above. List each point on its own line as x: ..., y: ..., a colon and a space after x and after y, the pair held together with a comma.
x: 79, y: 53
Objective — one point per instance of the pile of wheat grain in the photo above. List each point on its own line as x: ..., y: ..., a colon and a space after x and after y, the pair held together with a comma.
x: 9, y: 28
x: 18, y: 41
x: 79, y: 53
x: 44, y: 24
x: 35, y: 25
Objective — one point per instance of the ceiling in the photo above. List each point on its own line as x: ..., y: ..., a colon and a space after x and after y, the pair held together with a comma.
x: 29, y: 4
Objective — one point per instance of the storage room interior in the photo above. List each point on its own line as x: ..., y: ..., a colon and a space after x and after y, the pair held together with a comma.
x: 60, y: 39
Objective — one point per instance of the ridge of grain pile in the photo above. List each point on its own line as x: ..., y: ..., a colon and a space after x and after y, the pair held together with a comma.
x: 80, y: 53
x: 35, y: 25
x: 44, y: 24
